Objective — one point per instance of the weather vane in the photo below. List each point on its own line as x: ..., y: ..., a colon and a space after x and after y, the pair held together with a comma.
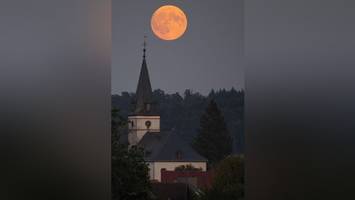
x: 144, y: 45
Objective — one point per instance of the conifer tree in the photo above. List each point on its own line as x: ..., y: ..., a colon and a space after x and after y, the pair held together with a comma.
x: 213, y: 140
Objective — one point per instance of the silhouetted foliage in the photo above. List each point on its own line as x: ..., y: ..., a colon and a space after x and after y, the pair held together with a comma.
x: 188, y: 167
x: 213, y: 140
x: 130, y: 179
x: 228, y: 182
x: 183, y: 112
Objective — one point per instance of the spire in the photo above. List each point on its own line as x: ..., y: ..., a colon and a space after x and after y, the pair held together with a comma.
x: 144, y: 45
x: 144, y: 89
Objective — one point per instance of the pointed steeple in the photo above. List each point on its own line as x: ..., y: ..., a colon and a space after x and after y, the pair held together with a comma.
x: 144, y: 45
x: 144, y: 94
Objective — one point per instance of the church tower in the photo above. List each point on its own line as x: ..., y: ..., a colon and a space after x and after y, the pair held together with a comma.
x: 144, y: 118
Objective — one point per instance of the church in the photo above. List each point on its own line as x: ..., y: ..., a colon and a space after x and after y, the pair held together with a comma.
x: 163, y: 149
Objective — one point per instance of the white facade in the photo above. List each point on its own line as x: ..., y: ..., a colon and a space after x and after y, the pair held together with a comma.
x: 138, y: 126
x: 155, y: 167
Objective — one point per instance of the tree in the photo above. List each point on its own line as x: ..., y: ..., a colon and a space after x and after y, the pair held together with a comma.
x: 188, y: 167
x: 228, y: 181
x: 130, y: 179
x: 183, y: 111
x: 213, y: 140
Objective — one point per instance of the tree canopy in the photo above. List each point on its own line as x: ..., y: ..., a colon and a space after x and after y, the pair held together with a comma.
x: 187, y: 167
x: 130, y: 179
x: 228, y: 181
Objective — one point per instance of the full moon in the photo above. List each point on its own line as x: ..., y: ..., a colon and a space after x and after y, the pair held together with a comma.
x: 168, y: 22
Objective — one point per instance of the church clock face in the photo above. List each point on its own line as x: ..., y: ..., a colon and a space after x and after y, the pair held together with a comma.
x: 148, y: 124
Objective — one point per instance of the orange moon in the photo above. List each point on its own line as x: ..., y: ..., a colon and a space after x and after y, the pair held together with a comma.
x: 168, y: 22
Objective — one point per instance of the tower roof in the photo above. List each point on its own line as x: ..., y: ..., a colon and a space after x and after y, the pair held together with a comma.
x: 144, y: 94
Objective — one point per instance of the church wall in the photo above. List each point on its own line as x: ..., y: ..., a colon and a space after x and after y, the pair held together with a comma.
x: 139, y: 122
x: 137, y: 127
x: 157, y: 166
x: 151, y: 169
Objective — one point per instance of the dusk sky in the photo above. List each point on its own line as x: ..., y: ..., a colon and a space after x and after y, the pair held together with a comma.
x: 208, y: 55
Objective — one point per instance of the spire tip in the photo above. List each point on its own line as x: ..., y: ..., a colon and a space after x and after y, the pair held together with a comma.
x: 144, y: 45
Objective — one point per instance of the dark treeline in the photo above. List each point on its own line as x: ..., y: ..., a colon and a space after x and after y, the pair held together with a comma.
x: 183, y: 112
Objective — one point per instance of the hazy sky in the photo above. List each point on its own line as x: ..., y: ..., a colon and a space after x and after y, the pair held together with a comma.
x: 207, y: 56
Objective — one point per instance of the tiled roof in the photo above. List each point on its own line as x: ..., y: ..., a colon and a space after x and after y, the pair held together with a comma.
x: 168, y: 146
